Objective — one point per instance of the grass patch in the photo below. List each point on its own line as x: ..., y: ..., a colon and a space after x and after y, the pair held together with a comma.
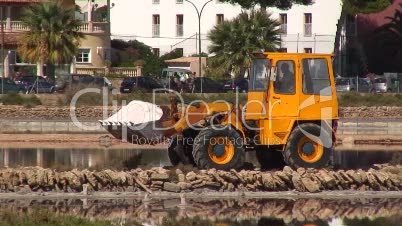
x: 353, y: 99
x: 17, y: 99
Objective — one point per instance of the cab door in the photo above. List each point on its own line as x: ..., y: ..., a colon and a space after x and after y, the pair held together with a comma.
x: 283, y: 100
x: 318, y: 97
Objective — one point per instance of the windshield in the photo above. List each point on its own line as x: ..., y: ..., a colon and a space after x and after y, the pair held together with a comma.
x: 342, y: 82
x: 380, y: 80
x: 259, y: 75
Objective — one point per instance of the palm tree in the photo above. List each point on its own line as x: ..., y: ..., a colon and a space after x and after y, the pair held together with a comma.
x: 54, y: 34
x: 233, y: 42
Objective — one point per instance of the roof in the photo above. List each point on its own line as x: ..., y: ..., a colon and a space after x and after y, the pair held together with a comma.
x: 183, y: 60
x: 12, y: 38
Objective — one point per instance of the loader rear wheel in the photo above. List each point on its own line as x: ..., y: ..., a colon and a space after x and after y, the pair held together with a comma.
x: 308, y: 146
x: 269, y: 158
x: 219, y: 148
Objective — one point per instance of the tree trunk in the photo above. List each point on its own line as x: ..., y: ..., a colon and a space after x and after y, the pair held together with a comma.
x: 39, y: 68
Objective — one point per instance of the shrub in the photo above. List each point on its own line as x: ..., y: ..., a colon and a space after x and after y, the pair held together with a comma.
x: 17, y: 99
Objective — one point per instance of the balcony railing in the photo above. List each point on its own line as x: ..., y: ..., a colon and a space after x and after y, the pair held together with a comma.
x: 308, y: 29
x: 86, y: 27
x: 94, y: 27
x: 284, y: 29
x: 156, y: 30
x: 179, y: 30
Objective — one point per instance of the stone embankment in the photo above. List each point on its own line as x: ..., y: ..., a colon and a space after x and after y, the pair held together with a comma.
x: 35, y: 179
x: 96, y: 112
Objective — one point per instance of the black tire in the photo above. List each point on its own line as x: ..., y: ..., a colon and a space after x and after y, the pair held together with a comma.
x: 209, y: 135
x: 173, y: 156
x: 292, y: 149
x: 179, y: 152
x: 269, y: 158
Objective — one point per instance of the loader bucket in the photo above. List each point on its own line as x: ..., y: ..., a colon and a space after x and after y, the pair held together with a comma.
x: 139, y: 123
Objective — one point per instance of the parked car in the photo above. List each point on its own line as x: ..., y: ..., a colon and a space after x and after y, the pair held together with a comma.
x: 64, y: 82
x: 9, y: 86
x: 208, y: 85
x: 349, y: 84
x: 36, y: 84
x: 145, y: 83
x: 381, y: 85
x: 395, y: 85
x: 239, y: 84
x: 168, y: 73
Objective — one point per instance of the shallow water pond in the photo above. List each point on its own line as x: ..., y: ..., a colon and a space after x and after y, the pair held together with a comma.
x: 67, y: 159
x: 229, y: 212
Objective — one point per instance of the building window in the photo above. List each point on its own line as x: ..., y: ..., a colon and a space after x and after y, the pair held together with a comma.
x: 308, y: 50
x: 156, y: 51
x: 219, y: 18
x: 283, y: 50
x: 84, y: 56
x: 155, y: 1
x: 156, y: 21
x: 179, y: 26
x: 284, y: 23
x: 179, y: 1
x: 308, y: 24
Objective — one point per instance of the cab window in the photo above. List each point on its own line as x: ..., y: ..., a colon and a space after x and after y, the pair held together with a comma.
x: 259, y: 75
x: 316, y: 77
x: 285, y: 77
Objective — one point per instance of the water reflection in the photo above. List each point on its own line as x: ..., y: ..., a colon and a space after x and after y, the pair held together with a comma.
x: 258, y: 212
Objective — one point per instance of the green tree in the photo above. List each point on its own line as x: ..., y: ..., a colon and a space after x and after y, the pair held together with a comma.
x: 354, y: 7
x: 281, y: 4
x: 130, y: 53
x: 234, y: 41
x: 54, y: 34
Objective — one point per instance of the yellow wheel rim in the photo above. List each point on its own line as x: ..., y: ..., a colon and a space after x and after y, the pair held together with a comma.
x: 221, y: 150
x: 309, y: 151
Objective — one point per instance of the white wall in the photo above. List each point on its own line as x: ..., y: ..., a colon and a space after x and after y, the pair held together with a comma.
x: 132, y: 19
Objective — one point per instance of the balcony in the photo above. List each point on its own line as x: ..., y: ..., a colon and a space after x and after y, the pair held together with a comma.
x: 179, y: 30
x: 308, y: 29
x: 86, y: 27
x: 155, y: 30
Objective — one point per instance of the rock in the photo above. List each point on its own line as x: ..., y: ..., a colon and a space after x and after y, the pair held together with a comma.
x: 268, y: 181
x: 297, y: 183
x: 181, y: 177
x: 301, y: 171
x: 310, y: 185
x: 327, y: 180
x: 284, y: 177
x: 372, y: 181
x: 288, y: 171
x: 191, y: 176
x: 172, y: 187
x: 355, y: 176
x: 159, y: 177
x: 158, y: 183
x: 184, y: 185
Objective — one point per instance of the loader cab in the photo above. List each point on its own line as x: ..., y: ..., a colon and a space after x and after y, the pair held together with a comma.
x: 288, y: 88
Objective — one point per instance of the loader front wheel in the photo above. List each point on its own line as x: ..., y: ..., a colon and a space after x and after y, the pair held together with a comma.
x: 219, y: 148
x: 177, y: 152
x: 309, y: 146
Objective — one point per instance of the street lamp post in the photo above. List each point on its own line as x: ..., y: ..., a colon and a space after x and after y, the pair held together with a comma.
x: 199, y: 13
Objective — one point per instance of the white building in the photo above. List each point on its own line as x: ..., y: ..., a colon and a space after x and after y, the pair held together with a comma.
x: 169, y: 24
